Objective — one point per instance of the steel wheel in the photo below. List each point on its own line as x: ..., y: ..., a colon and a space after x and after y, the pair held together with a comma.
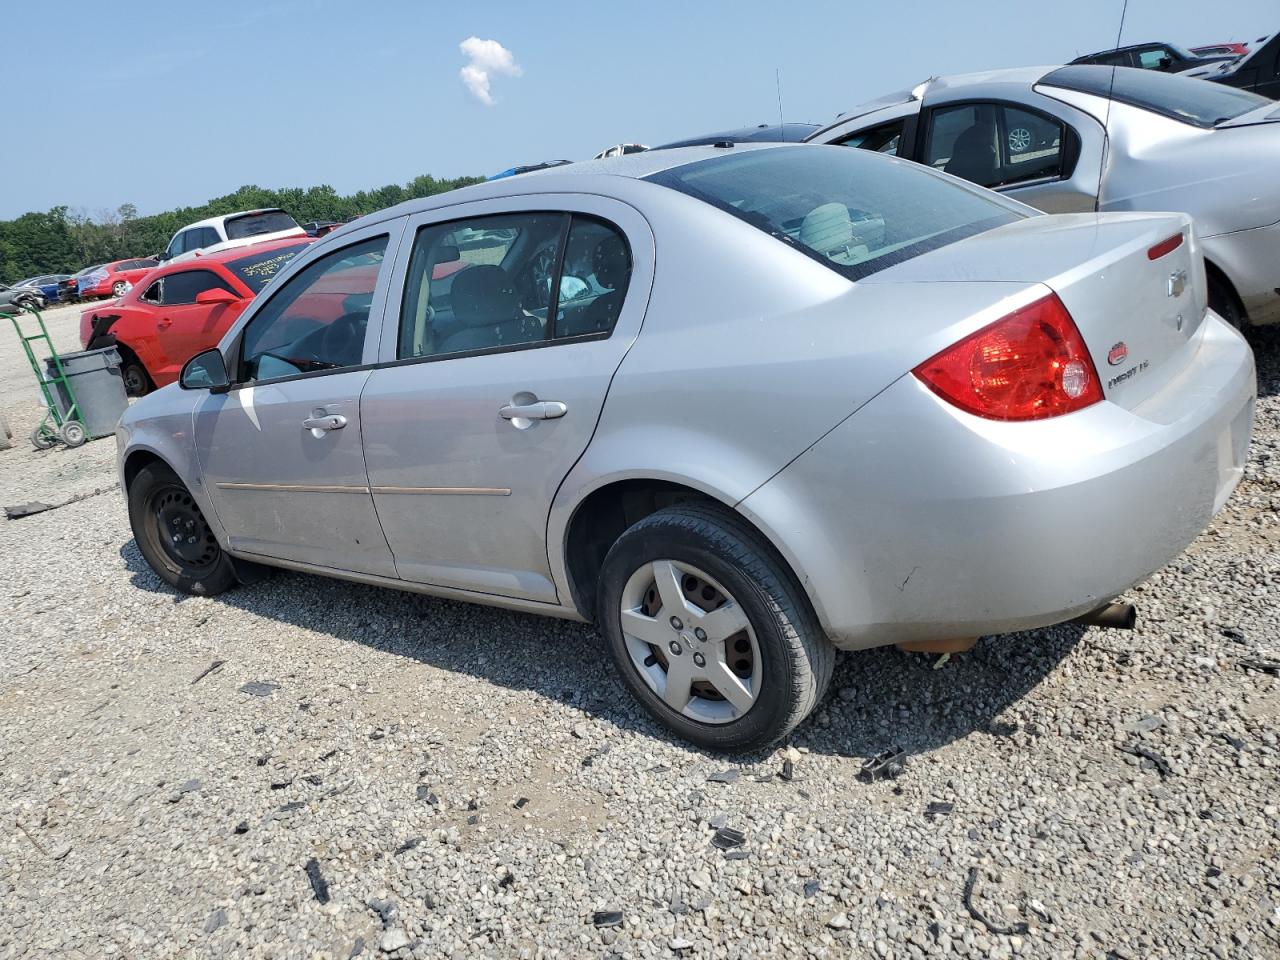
x: 136, y: 383
x: 691, y: 642
x: 182, y: 531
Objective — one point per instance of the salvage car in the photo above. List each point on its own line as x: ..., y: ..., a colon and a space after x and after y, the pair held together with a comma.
x: 46, y: 286
x: 181, y: 309
x: 23, y: 298
x: 231, y: 230
x: 113, y: 279
x: 69, y: 288
x: 1038, y: 134
x: 802, y: 398
x: 1258, y: 70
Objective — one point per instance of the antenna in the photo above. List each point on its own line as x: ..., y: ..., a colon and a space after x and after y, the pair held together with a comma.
x: 777, y: 76
x: 1106, y: 125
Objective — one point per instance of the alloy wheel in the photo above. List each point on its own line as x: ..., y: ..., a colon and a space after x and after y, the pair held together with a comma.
x: 691, y: 642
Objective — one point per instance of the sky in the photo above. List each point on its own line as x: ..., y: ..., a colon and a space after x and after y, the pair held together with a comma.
x: 163, y: 103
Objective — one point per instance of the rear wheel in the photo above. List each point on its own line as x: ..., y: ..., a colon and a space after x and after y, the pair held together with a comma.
x: 118, y: 288
x: 173, y: 535
x: 709, y: 629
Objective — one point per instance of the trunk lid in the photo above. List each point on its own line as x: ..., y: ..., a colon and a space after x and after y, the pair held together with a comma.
x: 1136, y: 306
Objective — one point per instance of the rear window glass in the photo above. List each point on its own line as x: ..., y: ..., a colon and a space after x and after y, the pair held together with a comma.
x: 853, y: 211
x: 1192, y: 101
x: 256, y: 270
x: 256, y: 224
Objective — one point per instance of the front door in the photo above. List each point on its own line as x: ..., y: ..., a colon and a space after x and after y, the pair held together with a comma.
x: 282, y: 452
x: 510, y: 329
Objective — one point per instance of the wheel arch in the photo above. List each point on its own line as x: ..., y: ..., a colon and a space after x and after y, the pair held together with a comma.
x: 603, y: 513
x: 1215, y: 274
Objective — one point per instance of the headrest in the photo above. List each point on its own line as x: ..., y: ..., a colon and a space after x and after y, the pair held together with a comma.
x: 827, y: 228
x: 484, y: 294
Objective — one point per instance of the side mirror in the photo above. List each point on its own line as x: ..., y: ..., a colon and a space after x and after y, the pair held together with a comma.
x: 216, y: 295
x: 206, y: 371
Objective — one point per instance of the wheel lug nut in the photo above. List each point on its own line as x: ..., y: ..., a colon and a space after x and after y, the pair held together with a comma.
x: 699, y: 659
x: 700, y: 634
x: 676, y: 624
x: 676, y: 648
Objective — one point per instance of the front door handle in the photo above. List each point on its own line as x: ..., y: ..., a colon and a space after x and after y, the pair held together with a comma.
x: 540, y: 410
x: 319, y: 425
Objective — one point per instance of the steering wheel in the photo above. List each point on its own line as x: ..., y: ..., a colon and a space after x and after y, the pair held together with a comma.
x: 343, y: 341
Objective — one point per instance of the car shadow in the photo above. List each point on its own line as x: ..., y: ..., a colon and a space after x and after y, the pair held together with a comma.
x: 878, y: 698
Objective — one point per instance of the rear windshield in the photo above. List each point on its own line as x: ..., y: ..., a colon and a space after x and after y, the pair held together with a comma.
x: 853, y: 211
x: 255, y: 224
x: 257, y: 269
x: 1197, y: 102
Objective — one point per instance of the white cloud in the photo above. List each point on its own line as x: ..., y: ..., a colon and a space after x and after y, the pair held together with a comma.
x: 485, y: 58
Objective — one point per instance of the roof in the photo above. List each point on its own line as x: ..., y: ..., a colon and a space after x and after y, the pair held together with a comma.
x: 562, y: 179
x: 760, y: 133
x: 210, y: 221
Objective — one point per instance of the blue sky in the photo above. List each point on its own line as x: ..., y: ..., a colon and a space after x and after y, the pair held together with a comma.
x: 169, y: 103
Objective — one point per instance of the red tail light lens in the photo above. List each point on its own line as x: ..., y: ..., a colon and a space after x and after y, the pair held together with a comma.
x: 1029, y: 365
x: 1165, y: 247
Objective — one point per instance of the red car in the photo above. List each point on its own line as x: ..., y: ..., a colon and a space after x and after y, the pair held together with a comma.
x: 181, y: 309
x: 112, y: 279
x: 1222, y: 50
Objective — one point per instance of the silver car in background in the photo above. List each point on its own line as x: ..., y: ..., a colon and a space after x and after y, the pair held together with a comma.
x: 738, y: 406
x: 1041, y: 135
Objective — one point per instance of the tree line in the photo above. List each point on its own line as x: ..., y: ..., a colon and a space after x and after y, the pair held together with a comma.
x: 63, y: 241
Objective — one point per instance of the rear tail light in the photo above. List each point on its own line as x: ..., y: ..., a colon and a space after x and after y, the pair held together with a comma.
x: 1029, y: 365
x: 1165, y: 247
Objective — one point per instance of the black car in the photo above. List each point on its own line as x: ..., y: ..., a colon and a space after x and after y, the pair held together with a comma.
x: 1166, y: 57
x: 1258, y: 70
x: 763, y: 133
x: 69, y: 290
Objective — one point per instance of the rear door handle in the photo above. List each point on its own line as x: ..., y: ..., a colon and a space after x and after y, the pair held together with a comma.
x: 541, y: 410
x: 164, y: 323
x: 319, y: 425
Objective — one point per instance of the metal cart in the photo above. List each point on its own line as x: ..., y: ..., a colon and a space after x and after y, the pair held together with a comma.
x: 58, y: 425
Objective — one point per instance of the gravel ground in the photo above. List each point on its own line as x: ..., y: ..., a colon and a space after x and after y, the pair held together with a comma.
x: 305, y: 768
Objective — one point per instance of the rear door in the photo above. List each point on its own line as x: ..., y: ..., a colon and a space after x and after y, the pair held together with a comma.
x: 281, y: 452
x: 495, y: 365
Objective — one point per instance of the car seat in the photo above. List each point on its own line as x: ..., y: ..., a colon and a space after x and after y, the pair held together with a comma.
x: 486, y: 305
x: 973, y: 156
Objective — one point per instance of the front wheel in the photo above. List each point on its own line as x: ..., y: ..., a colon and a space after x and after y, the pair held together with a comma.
x: 710, y: 631
x: 173, y: 535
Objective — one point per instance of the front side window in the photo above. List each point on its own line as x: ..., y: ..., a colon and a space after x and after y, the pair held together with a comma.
x: 1156, y: 58
x: 317, y: 320
x: 995, y: 144
x: 182, y: 288
x: 852, y: 211
x: 882, y: 139
x: 482, y: 283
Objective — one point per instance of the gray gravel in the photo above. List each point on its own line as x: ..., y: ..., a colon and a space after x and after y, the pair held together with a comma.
x: 348, y: 781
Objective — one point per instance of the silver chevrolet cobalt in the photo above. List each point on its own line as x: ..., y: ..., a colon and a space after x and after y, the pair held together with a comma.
x: 738, y: 406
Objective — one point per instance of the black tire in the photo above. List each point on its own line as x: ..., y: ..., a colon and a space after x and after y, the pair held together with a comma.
x: 196, y: 566
x: 1223, y: 302
x: 797, y: 655
x: 136, y: 381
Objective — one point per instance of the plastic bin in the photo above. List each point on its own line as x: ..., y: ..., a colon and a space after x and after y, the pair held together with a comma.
x: 95, y: 377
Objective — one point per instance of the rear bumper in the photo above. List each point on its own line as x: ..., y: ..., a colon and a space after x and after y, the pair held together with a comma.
x: 1251, y: 260
x: 914, y: 521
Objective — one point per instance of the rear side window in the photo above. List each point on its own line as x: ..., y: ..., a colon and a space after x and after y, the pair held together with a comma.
x: 848, y: 209
x: 882, y: 139
x: 182, y: 288
x: 1192, y: 101
x: 256, y: 224
x: 995, y: 144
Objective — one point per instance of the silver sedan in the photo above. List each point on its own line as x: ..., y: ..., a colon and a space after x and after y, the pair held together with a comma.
x: 1075, y: 138
x: 739, y: 406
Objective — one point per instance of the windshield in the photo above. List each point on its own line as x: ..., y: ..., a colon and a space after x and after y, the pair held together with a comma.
x: 256, y: 224
x: 853, y: 211
x: 1197, y: 102
x: 256, y: 270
